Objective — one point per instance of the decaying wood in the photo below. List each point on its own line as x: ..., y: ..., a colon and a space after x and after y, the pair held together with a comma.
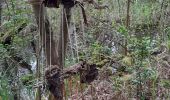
x: 54, y: 75
x: 87, y: 72
x: 54, y: 81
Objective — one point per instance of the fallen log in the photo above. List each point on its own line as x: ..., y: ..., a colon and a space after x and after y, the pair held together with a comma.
x: 88, y: 72
x: 54, y: 75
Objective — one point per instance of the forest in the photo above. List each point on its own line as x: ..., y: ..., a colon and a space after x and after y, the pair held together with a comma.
x: 84, y: 49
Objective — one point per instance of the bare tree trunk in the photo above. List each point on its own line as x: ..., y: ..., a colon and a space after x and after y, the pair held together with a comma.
x: 47, y: 37
x: 0, y: 12
x: 54, y: 57
x: 47, y: 43
x: 127, y: 23
x: 128, y: 14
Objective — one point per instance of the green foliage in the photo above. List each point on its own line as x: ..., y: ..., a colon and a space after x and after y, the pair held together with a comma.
x: 165, y: 83
x: 143, y: 11
x: 5, y: 89
x: 123, y: 30
x: 27, y: 79
x: 14, y: 18
x: 139, y: 47
x: 167, y: 30
x: 3, y: 52
x: 148, y: 73
x: 96, y: 52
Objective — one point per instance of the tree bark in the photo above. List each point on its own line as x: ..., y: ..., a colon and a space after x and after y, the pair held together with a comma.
x: 47, y: 36
x: 1, y: 3
x: 49, y: 46
x: 0, y: 13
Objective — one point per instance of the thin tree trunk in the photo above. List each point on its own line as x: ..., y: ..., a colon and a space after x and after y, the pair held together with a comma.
x: 128, y: 14
x: 127, y: 22
x: 0, y: 12
x: 65, y: 23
